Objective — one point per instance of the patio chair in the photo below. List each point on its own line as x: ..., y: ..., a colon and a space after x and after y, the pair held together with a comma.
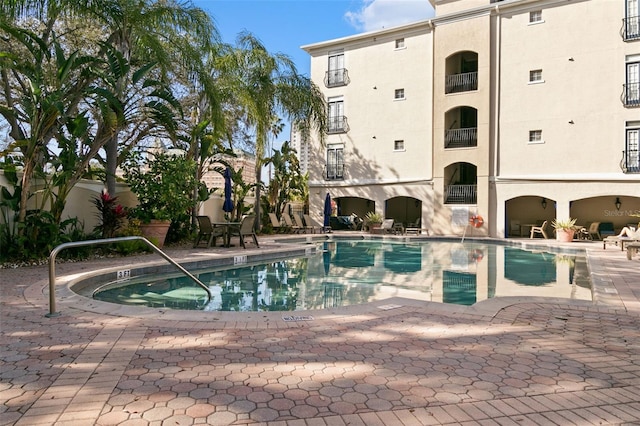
x: 289, y: 222
x: 246, y: 229
x: 277, y: 224
x: 207, y: 232
x: 515, y: 229
x: 594, y: 231
x: 542, y: 230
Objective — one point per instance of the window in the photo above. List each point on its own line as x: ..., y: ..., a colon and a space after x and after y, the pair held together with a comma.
x: 398, y: 145
x: 335, y: 162
x: 631, y: 21
x: 632, y: 148
x: 632, y: 86
x: 336, y: 115
x: 399, y: 94
x: 336, y: 74
x: 400, y: 43
x: 535, y: 136
x: 535, y: 76
x: 535, y: 17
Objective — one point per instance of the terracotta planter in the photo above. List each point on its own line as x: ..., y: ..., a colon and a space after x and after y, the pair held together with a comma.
x: 564, y: 235
x: 374, y: 228
x: 156, y: 231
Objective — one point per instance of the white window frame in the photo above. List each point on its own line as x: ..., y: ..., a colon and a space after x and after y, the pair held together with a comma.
x: 535, y: 137
x: 632, y: 79
x: 535, y: 17
x: 535, y: 76
x: 398, y: 95
x: 398, y: 145
x: 335, y: 158
x: 335, y: 114
x: 400, y: 44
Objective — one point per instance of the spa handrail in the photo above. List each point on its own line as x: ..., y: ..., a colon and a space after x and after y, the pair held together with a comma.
x: 58, y: 249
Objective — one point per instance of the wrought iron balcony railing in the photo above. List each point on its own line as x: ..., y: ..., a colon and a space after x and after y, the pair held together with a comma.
x: 630, y: 96
x: 461, y: 138
x: 630, y: 28
x: 337, y: 77
x: 461, y: 194
x: 630, y: 162
x: 338, y: 124
x: 334, y: 171
x: 456, y: 83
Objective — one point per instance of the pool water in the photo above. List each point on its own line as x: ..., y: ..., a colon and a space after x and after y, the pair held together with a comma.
x: 345, y: 273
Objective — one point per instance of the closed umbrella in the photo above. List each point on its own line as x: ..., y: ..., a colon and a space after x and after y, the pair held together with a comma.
x: 228, y: 203
x: 327, y: 211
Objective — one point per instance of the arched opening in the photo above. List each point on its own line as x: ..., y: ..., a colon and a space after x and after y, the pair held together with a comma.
x: 461, y: 184
x: 461, y: 128
x: 461, y: 74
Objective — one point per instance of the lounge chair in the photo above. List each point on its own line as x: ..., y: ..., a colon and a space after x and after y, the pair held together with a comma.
x: 308, y: 223
x: 207, y: 232
x: 542, y: 230
x: 294, y: 227
x: 386, y: 227
x: 276, y: 224
x: 246, y: 229
x: 616, y: 240
x: 297, y: 222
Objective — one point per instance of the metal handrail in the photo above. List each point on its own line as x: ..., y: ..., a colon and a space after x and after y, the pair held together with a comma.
x: 58, y: 249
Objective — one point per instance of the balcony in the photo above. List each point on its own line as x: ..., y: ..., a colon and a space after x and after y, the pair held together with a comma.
x: 465, y: 82
x: 630, y: 96
x: 461, y: 194
x: 337, y: 124
x: 336, y: 78
x: 630, y: 28
x: 461, y: 138
x: 334, y: 171
x: 630, y: 162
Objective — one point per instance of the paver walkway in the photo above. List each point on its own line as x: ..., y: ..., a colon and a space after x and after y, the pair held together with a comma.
x: 399, y: 363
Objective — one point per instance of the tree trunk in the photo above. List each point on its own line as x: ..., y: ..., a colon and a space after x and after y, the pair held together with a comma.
x: 111, y: 150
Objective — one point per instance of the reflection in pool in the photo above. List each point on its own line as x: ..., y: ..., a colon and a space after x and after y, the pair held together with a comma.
x: 347, y: 272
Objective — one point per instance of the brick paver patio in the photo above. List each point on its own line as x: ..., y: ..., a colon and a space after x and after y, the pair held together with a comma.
x: 509, y: 362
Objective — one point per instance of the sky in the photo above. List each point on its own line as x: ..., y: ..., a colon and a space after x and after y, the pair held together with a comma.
x: 285, y: 25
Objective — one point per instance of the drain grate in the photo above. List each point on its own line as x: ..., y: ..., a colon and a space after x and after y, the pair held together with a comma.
x: 297, y: 318
x: 389, y: 307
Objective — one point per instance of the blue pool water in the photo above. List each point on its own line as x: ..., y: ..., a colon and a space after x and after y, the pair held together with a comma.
x: 344, y: 273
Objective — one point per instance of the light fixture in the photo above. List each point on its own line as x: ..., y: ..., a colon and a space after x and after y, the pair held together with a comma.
x: 618, y: 203
x: 570, y: 121
x: 373, y: 137
x: 544, y: 203
x: 570, y: 59
x: 374, y: 87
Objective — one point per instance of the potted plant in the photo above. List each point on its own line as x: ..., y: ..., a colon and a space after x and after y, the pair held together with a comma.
x: 373, y: 221
x: 164, y: 186
x: 564, y: 229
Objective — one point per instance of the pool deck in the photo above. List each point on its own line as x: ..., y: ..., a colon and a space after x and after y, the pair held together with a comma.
x: 511, y: 361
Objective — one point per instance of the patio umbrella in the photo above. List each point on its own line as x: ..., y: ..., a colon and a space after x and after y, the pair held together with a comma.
x: 327, y: 210
x: 228, y: 203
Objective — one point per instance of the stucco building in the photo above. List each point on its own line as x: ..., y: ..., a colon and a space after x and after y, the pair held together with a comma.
x: 520, y: 111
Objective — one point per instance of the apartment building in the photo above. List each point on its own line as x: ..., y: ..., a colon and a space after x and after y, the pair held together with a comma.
x: 520, y: 111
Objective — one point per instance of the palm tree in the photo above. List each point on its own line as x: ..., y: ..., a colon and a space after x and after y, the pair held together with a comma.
x: 164, y: 32
x: 266, y: 85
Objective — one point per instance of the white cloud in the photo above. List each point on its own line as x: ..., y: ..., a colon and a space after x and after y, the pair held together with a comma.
x: 378, y: 14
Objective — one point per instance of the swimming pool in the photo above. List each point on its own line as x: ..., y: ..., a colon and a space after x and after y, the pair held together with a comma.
x: 347, y: 272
